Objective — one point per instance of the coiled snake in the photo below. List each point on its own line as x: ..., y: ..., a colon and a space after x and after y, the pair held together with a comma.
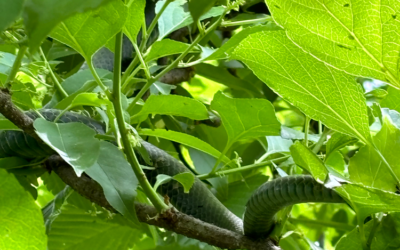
x: 199, y: 202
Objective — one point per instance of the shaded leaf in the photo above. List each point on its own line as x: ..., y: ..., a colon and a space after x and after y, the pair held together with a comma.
x: 333, y: 97
x: 9, y: 12
x: 12, y: 162
x: 74, y: 142
x: 336, y: 142
x: 198, y: 7
x: 21, y: 222
x: 161, y: 88
x: 116, y: 177
x: 309, y: 161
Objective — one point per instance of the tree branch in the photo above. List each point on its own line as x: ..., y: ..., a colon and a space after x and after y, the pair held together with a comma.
x: 171, y: 220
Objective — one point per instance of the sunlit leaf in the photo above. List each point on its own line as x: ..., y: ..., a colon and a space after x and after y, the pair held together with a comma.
x: 21, y: 221
x: 186, y: 179
x: 172, y: 105
x: 367, y: 200
x: 74, y: 142
x: 246, y: 118
x: 367, y: 167
x: 184, y: 139
x: 360, y: 37
x: 321, y: 92
x: 134, y: 19
x: 83, y: 99
x: 88, y: 32
x: 392, y: 100
x: 165, y: 47
x: 336, y: 142
x: 309, y: 161
x: 41, y: 16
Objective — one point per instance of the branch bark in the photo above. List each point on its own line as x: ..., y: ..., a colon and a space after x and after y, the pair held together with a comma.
x: 171, y: 220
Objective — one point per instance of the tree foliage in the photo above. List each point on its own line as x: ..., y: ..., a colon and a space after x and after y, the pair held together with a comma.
x: 241, y: 92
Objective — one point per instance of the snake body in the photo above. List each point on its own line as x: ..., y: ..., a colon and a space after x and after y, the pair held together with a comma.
x: 259, y: 217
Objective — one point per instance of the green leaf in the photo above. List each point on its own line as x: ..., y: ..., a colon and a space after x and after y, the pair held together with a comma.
x: 161, y: 88
x: 53, y: 209
x: 277, y: 144
x: 76, y: 228
x: 186, y: 179
x: 116, y: 177
x: 21, y: 221
x: 340, y: 34
x: 41, y: 16
x: 171, y: 105
x: 198, y: 7
x: 5, y: 124
x: 88, y: 32
x: 367, y: 167
x: 161, y: 179
x: 12, y: 162
x: 9, y: 12
x: 336, y: 142
x: 227, y: 48
x: 392, y: 100
x: 367, y: 200
x: 83, y: 99
x: 322, y: 93
x: 165, y: 47
x: 6, y: 62
x: 74, y: 142
x: 387, y: 236
x: 175, y: 16
x: 246, y: 118
x: 352, y: 240
x: 241, y: 192
x: 184, y: 139
x: 309, y: 161
x: 134, y: 19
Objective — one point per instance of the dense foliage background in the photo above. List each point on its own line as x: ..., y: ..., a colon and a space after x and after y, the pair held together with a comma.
x: 241, y: 92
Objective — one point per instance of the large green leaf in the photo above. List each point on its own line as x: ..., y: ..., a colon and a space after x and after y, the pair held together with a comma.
x: 367, y: 167
x: 9, y: 11
x: 41, y: 16
x: 309, y: 161
x: 12, y: 162
x: 134, y: 19
x: 321, y: 92
x: 21, y: 221
x: 184, y: 139
x: 172, y: 105
x: 76, y: 228
x: 116, y: 177
x: 89, y: 31
x: 359, y: 37
x: 367, y: 200
x: 74, y: 142
x: 246, y: 118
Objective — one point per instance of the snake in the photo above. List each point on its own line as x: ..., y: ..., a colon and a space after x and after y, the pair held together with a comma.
x: 259, y: 217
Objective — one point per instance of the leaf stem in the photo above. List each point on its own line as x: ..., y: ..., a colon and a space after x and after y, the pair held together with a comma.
x: 98, y: 80
x: 245, y: 22
x: 228, y: 145
x: 117, y: 100
x: 16, y: 65
x: 57, y: 84
x: 321, y: 140
x: 173, y: 64
x: 144, y: 64
x: 306, y: 130
x: 155, y: 21
x: 376, y: 221
x: 241, y: 169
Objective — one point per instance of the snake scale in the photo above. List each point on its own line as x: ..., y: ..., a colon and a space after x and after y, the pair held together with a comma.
x: 199, y: 202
